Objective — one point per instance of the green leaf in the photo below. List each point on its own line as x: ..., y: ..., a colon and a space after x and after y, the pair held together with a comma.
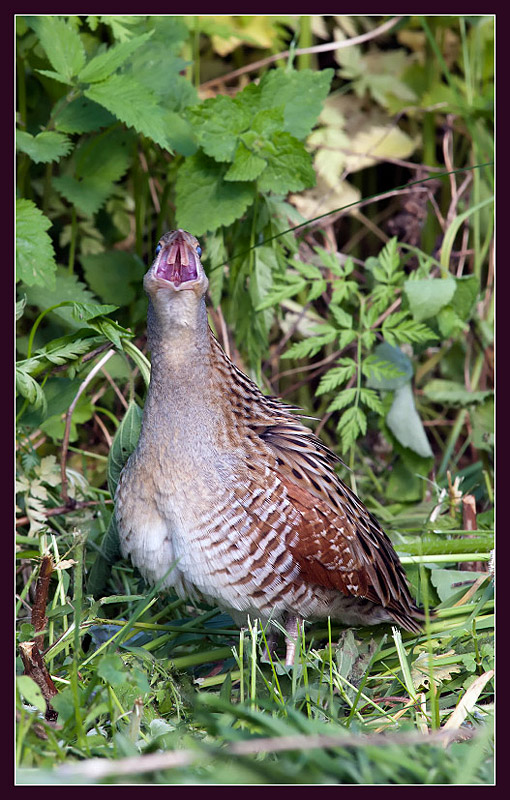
x: 427, y: 297
x: 309, y: 347
x: 466, y: 293
x: 82, y: 116
x: 404, y: 486
x: 112, y: 670
x: 35, y: 257
x: 45, y: 147
x: 450, y: 393
x: 246, y: 165
x: 103, y: 65
x: 28, y: 387
x: 67, y: 287
x: 341, y: 317
x: 133, y: 104
x: 336, y: 376
x: 111, y: 275
x: 343, y: 399
x: 302, y: 94
x: 124, y: 443
x: 396, y: 328
x: 289, y: 165
x: 28, y: 689
x: 352, y: 423
x: 387, y: 368
x: 217, y: 123
x: 62, y: 44
x: 405, y: 424
x: 204, y: 200
x: 87, y: 194
x: 482, y: 419
x: 371, y: 399
x: 216, y: 255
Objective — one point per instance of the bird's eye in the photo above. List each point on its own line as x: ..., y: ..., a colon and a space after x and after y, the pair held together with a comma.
x: 158, y: 248
x: 199, y: 251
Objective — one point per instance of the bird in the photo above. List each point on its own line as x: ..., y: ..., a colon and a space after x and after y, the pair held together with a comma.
x: 229, y: 498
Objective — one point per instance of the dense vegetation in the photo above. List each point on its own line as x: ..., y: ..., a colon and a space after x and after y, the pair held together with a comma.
x: 342, y: 192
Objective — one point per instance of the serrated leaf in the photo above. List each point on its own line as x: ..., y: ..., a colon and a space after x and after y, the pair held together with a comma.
x: 450, y: 393
x: 133, y: 104
x: 124, y: 442
x: 103, y: 65
x: 35, y: 257
x: 45, y: 147
x: 352, y: 423
x: 301, y: 93
x: 372, y: 400
x: 289, y: 165
x: 112, y: 275
x: 309, y: 347
x: 343, y: 399
x: 281, y: 292
x: 336, y: 376
x: 218, y: 123
x: 61, y: 43
x: 28, y: 387
x: 342, y: 318
x: 427, y: 297
x: 20, y: 307
x: 405, y: 424
x: 246, y: 166
x: 82, y: 115
x: 387, y: 368
x: 346, y: 337
x: 396, y: 328
x: 67, y: 287
x: 88, y: 194
x: 204, y: 200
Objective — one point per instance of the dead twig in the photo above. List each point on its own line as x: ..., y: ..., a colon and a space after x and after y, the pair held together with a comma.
x: 318, y: 48
x: 36, y: 669
x: 41, y: 598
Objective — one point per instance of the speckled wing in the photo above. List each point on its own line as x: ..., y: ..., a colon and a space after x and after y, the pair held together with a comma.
x: 340, y: 545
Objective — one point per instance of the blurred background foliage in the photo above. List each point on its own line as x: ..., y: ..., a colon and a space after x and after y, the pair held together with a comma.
x: 347, y: 272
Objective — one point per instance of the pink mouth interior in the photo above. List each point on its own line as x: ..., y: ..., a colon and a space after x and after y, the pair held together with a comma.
x: 177, y: 263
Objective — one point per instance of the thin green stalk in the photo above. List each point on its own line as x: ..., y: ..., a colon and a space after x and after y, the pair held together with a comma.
x: 72, y: 243
x: 304, y: 61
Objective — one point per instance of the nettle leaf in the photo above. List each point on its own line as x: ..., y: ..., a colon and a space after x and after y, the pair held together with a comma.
x: 87, y: 194
x: 336, y: 376
x: 204, y: 200
x: 111, y: 275
x: 103, y: 65
x: 66, y: 287
x: 45, y: 147
x: 289, y: 165
x: 301, y: 92
x: 218, y: 123
x: 133, y: 104
x: 427, y: 297
x: 246, y: 165
x: 387, y: 367
x: 62, y: 44
x: 35, y: 257
x: 82, y: 115
x: 405, y: 424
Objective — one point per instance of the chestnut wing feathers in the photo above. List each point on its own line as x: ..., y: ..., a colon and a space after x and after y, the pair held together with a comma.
x: 341, y: 544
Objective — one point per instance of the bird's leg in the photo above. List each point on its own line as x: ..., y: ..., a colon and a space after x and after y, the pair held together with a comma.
x: 291, y: 630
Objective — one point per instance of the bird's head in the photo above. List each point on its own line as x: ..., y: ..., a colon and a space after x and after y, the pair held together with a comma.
x: 176, y: 282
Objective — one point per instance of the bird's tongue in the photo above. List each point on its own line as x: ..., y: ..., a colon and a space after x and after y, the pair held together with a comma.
x: 178, y: 264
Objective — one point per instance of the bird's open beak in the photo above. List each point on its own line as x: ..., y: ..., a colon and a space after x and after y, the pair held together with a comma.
x: 177, y: 262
